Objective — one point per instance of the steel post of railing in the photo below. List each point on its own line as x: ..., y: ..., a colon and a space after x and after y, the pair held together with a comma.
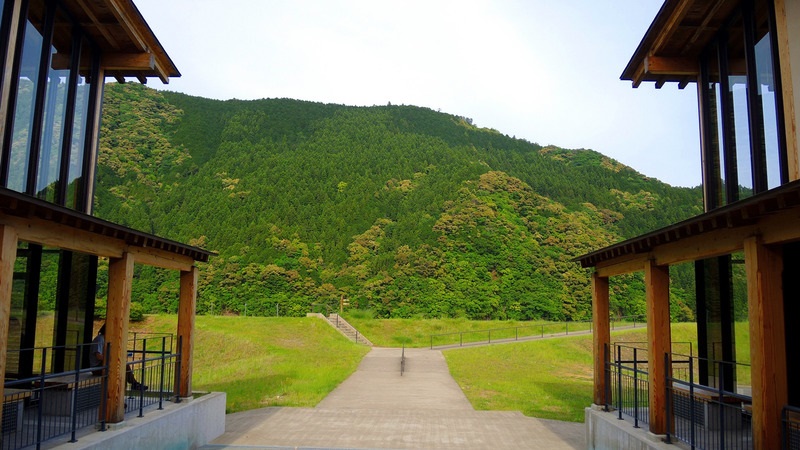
x: 163, y: 368
x: 619, y: 382
x: 40, y: 418
x: 567, y: 323
x: 691, y: 404
x: 607, y: 375
x: 490, y: 336
x: 104, y: 399
x: 635, y: 389
x: 516, y: 333
x: 178, y: 371
x: 722, y: 406
x: 141, y: 376
x: 668, y: 397
x: 73, y: 407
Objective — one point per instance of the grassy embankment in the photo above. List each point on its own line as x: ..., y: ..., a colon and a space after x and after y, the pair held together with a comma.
x: 262, y: 362
x: 258, y: 361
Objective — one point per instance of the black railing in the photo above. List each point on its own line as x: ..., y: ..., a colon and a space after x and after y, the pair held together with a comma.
x: 629, y: 383
x: 791, y: 428
x: 707, y: 417
x: 540, y: 330
x: 701, y: 416
x: 50, y: 404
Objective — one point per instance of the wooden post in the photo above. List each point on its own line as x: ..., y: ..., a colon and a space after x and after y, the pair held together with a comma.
x: 659, y: 338
x: 764, y: 267
x: 11, y: 46
x: 787, y: 13
x: 120, y: 280
x: 601, y: 336
x: 8, y: 254
x: 186, y: 310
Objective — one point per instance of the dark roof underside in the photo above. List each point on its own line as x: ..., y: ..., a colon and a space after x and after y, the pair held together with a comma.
x: 20, y: 205
x: 680, y: 32
x: 741, y: 213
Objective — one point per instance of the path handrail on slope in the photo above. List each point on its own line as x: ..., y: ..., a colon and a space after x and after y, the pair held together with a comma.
x: 524, y: 332
x: 344, y: 327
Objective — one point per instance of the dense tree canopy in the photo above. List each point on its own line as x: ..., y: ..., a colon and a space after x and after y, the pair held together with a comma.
x: 400, y: 209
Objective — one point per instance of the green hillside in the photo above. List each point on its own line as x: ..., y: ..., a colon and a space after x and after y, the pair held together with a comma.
x: 402, y: 210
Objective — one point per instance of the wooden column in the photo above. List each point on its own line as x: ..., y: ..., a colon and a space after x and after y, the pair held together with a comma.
x: 5, y: 78
x: 764, y: 267
x: 186, y: 310
x: 120, y: 280
x: 656, y: 281
x: 788, y: 38
x: 8, y: 254
x: 601, y: 337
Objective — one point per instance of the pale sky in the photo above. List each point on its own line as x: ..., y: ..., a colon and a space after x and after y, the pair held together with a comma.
x: 543, y: 70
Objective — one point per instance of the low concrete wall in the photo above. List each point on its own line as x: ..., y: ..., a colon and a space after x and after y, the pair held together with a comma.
x: 605, y: 431
x: 187, y: 425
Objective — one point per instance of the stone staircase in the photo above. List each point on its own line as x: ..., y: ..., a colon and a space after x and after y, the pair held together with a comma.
x: 346, y: 329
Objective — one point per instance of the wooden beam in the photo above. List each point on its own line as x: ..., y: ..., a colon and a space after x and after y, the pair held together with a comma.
x: 123, y: 13
x: 96, y: 23
x: 5, y: 78
x: 764, y: 267
x: 789, y: 79
x: 659, y: 65
x: 160, y: 258
x: 118, y: 308
x: 128, y: 61
x: 656, y: 282
x: 668, y: 29
x: 47, y: 233
x: 601, y: 337
x: 621, y: 266
x: 186, y: 315
x: 773, y: 229
x: 8, y: 255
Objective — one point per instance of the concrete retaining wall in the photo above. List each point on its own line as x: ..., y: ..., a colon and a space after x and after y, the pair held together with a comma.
x: 187, y: 425
x: 605, y: 431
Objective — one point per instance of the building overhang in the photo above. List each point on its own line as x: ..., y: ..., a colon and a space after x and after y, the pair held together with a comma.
x: 670, y: 50
x: 47, y: 224
x: 128, y: 45
x: 774, y: 215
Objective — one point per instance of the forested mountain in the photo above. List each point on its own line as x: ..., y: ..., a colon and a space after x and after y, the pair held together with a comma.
x: 399, y: 209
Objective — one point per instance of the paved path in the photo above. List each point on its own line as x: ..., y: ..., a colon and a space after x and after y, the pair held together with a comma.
x: 377, y: 408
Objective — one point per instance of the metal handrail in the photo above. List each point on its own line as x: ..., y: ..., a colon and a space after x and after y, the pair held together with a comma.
x: 403, y: 360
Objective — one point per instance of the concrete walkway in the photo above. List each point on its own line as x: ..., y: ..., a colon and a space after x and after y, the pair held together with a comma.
x: 377, y: 408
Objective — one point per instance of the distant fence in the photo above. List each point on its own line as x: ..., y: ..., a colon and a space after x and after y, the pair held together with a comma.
x: 526, y: 332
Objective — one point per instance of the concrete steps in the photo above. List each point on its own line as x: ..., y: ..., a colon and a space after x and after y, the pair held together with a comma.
x: 346, y: 329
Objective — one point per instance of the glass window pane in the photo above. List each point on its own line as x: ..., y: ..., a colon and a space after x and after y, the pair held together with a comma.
x: 79, y: 125
x: 54, y: 109
x: 737, y: 98
x: 26, y: 93
x: 766, y: 93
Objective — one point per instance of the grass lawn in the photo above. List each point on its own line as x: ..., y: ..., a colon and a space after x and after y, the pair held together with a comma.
x: 417, y: 332
x: 549, y: 378
x: 257, y: 361
x: 265, y: 361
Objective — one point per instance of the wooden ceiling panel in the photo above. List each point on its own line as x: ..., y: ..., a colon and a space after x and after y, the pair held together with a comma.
x: 681, y: 30
x: 119, y: 30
